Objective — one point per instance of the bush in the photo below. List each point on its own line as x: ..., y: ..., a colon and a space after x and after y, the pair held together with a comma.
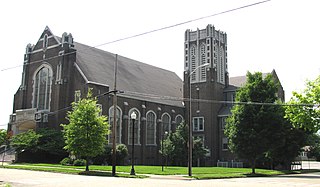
x: 79, y: 162
x: 66, y: 161
x: 122, y: 153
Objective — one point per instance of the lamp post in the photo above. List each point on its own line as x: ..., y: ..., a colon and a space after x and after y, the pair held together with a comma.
x: 133, y: 117
x: 190, y: 139
x: 165, y: 134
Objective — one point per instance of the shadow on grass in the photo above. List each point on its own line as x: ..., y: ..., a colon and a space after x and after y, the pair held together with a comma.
x: 109, y: 174
x: 96, y: 173
x: 256, y: 175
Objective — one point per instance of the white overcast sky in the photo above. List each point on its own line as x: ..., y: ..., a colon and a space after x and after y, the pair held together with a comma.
x: 280, y: 34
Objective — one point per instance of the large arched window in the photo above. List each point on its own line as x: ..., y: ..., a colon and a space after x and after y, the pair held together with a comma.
x: 179, y: 119
x: 42, y: 88
x: 136, y: 127
x: 151, y: 128
x: 166, y: 123
x: 119, y: 126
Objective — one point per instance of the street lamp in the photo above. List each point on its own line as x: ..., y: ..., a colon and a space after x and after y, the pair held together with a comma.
x: 190, y: 121
x: 133, y: 117
x: 164, y: 135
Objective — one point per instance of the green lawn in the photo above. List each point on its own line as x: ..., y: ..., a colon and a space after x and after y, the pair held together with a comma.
x: 123, y: 171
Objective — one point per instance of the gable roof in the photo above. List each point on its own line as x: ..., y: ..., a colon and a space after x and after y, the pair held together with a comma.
x: 52, y: 40
x: 239, y: 81
x: 137, y: 79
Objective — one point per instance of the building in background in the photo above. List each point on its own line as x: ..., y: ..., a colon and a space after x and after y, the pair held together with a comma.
x: 58, y: 71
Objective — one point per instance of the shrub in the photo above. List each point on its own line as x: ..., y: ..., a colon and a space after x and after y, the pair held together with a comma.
x: 66, y: 161
x: 122, y: 153
x: 79, y: 162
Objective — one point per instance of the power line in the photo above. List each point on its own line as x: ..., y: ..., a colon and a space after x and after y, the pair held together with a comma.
x: 152, y: 96
x: 148, y: 32
x: 182, y: 23
x: 170, y: 98
x: 98, y: 97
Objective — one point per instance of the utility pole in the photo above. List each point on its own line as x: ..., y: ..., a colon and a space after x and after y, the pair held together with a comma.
x: 114, y: 126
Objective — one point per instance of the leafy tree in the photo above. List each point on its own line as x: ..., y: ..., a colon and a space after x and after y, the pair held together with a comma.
x: 303, y: 116
x: 121, y: 153
x: 288, y: 146
x: 252, y: 128
x: 46, y: 143
x: 198, y: 151
x: 85, y: 135
x: 175, y: 146
x: 3, y: 136
x: 25, y: 141
x: 50, y: 141
x: 106, y: 156
x: 314, y: 143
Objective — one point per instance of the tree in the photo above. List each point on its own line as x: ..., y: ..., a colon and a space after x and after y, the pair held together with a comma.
x: 106, y: 156
x: 3, y: 136
x: 288, y: 145
x: 198, y: 151
x: 175, y: 146
x: 50, y: 141
x: 85, y: 135
x: 314, y: 143
x: 121, y: 153
x: 252, y: 128
x: 44, y: 144
x: 307, y: 115
x: 26, y: 141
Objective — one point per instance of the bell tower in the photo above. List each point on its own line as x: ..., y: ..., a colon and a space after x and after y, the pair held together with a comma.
x: 205, y: 77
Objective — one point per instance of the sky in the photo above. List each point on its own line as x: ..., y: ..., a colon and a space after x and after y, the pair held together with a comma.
x: 278, y: 34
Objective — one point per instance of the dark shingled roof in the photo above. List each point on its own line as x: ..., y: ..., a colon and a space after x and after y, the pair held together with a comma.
x: 132, y: 76
x: 239, y: 81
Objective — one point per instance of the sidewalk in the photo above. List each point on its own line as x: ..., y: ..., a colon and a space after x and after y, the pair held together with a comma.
x: 170, y: 177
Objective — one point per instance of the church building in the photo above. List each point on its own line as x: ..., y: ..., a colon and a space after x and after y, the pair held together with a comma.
x: 58, y: 71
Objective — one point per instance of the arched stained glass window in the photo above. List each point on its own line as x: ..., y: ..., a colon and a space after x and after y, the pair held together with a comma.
x: 179, y: 120
x: 42, y: 88
x: 136, y: 128
x: 119, y: 124
x: 151, y: 128
x: 166, y: 123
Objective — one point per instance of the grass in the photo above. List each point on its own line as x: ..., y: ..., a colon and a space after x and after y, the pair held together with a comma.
x: 123, y: 171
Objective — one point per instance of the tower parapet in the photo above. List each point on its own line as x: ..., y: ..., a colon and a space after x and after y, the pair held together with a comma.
x: 206, y: 46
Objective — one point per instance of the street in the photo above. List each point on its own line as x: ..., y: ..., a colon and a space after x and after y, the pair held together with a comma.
x: 36, y: 178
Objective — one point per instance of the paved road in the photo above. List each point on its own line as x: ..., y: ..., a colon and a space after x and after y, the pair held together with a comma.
x: 27, y: 178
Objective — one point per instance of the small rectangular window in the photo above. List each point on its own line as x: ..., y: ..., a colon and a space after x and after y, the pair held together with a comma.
x: 59, y: 71
x: 224, y: 144
x: 223, y: 123
x: 198, y: 124
x: 77, y: 96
